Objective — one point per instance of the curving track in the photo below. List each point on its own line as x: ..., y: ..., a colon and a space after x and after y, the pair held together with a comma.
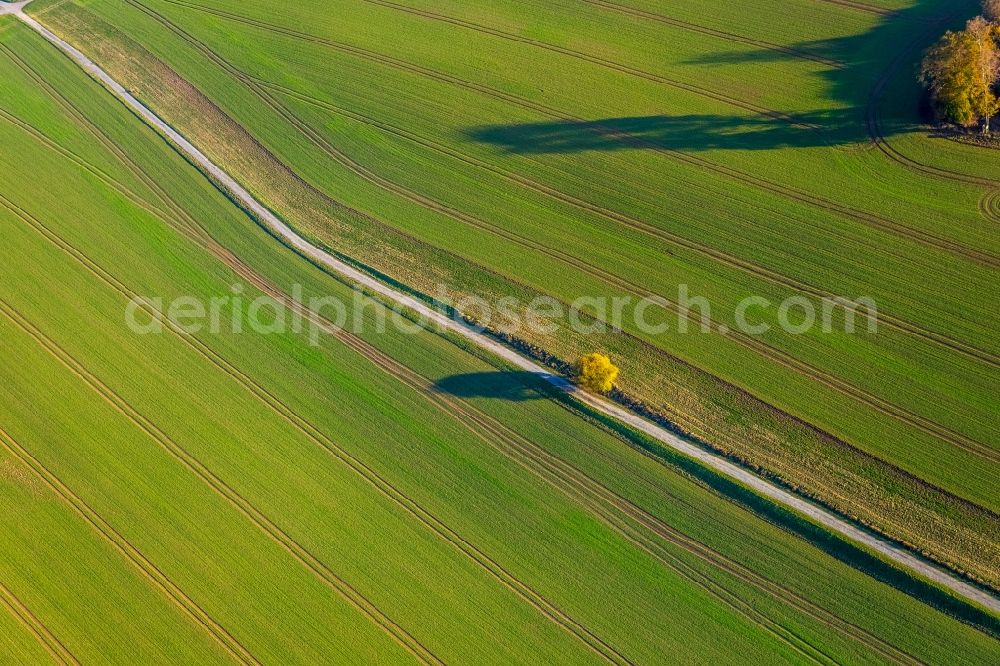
x: 782, y: 358
x: 635, y: 524
x: 989, y: 206
x: 836, y: 524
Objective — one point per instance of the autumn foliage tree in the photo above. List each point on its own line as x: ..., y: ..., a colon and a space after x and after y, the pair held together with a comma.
x: 991, y: 10
x: 962, y: 71
x: 596, y: 373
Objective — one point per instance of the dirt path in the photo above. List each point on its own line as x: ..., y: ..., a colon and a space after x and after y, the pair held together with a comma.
x: 12, y: 8
x: 888, y: 550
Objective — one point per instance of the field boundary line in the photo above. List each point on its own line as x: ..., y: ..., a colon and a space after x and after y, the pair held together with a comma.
x: 421, y: 385
x: 570, y: 480
x: 844, y: 387
x: 815, y: 201
x: 150, y: 571
x: 315, y: 566
x: 763, y: 487
x: 34, y: 625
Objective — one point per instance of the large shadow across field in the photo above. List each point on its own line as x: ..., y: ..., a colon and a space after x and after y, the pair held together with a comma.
x: 894, y: 43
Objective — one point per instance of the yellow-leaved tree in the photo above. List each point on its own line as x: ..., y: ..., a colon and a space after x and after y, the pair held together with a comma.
x: 961, y: 72
x: 596, y: 373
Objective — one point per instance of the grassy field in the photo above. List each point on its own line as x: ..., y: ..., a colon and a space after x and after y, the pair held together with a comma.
x: 781, y: 159
x: 377, y: 498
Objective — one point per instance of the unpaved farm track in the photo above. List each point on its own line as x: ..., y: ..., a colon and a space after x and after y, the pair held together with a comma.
x: 836, y: 524
x: 260, y: 90
x: 625, y: 517
x: 318, y: 437
x: 632, y: 522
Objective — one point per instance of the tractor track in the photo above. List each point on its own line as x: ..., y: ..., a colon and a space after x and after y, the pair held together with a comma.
x: 331, y: 263
x: 595, y: 60
x: 711, y: 32
x: 624, y: 69
x: 102, y: 138
x: 268, y: 527
x: 759, y: 347
x: 314, y: 434
x: 26, y: 618
x: 724, y: 258
x: 146, y: 568
x: 878, y: 138
x: 190, y: 228
x: 92, y: 169
x: 989, y: 206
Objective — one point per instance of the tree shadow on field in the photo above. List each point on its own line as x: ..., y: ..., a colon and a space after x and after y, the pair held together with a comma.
x: 511, y: 386
x: 693, y: 132
x: 854, y: 70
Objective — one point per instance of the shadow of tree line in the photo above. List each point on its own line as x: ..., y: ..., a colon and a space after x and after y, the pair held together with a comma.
x: 865, y: 57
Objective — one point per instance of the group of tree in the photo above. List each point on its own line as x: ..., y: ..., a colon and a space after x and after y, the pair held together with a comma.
x: 962, y: 71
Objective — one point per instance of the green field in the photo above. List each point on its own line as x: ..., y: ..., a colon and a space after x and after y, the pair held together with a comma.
x: 384, y: 498
x: 623, y: 149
